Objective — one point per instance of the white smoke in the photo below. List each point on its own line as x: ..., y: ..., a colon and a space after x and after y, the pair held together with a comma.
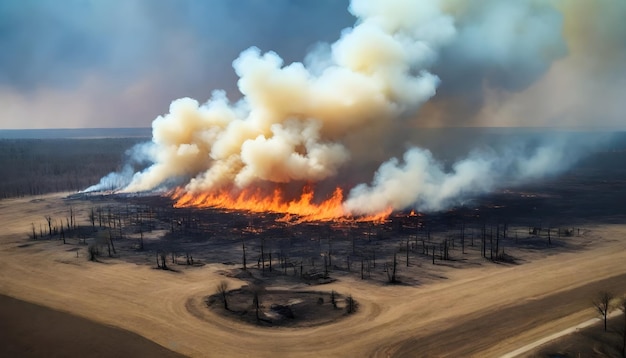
x: 292, y: 121
x: 113, y: 181
x: 419, y: 181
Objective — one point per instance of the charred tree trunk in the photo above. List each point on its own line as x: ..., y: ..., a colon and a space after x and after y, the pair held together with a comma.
x: 330, y: 251
x: 255, y: 302
x: 92, y: 218
x: 549, y: 239
x: 262, y: 257
x: 222, y: 289
x: 484, y: 241
x: 395, y: 266
x: 243, y: 248
x: 362, y: 277
x: 111, y: 241
x: 463, y: 238
x: 49, y: 220
x: 498, y: 242
x: 491, y: 244
x: 325, y: 267
x: 407, y: 252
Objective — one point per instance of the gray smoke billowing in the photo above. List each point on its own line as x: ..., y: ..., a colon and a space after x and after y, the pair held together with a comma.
x: 303, y: 122
x: 420, y: 181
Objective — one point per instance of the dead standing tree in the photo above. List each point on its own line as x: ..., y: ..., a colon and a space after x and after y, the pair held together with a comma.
x: 49, y: 221
x: 351, y: 305
x: 92, y: 218
x: 243, y: 248
x: 222, y: 289
x: 391, y: 272
x: 161, y: 257
x: 256, y: 302
x: 603, y: 304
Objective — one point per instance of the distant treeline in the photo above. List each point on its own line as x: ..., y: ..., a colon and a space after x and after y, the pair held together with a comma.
x: 40, y: 166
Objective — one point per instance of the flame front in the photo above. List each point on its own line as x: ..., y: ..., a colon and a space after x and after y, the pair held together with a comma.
x: 303, y: 207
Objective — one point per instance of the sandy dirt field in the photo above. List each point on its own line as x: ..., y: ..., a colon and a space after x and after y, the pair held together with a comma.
x: 30, y: 330
x: 483, y: 311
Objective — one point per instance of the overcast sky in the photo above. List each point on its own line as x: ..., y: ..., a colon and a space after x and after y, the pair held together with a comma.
x: 119, y: 63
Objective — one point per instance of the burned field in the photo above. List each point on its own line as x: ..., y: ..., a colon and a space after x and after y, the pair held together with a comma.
x: 284, y: 264
x: 493, y: 240
x: 406, y: 248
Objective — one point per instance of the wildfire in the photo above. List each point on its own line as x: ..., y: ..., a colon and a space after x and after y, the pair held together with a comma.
x: 302, y: 208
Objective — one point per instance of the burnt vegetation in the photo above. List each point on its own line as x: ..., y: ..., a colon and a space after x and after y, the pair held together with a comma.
x: 268, y: 248
x: 265, y: 245
x: 259, y: 306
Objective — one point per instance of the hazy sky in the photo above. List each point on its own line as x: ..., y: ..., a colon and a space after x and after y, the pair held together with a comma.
x: 119, y: 63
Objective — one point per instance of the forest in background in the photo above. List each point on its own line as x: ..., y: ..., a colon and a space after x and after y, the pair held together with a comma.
x: 40, y: 166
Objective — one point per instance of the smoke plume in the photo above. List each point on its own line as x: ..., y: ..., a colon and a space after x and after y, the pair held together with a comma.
x: 303, y: 122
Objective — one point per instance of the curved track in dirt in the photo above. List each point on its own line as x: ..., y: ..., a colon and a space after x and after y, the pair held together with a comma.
x: 483, y: 311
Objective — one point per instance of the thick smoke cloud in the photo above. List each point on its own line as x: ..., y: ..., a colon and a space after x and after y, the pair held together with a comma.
x: 290, y: 122
x: 420, y: 181
x: 302, y: 122
x: 504, y: 45
x: 582, y: 88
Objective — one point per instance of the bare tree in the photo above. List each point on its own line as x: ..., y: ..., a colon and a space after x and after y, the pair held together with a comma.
x: 256, y: 301
x: 407, y: 252
x: 111, y: 242
x: 262, y: 257
x: 351, y: 305
x: 49, y: 220
x: 93, y: 252
x: 333, y: 298
x: 73, y: 223
x: 243, y: 248
x: 140, y: 239
x: 391, y: 272
x: 222, y: 289
x: 603, y: 304
x: 92, y: 218
x: 463, y: 238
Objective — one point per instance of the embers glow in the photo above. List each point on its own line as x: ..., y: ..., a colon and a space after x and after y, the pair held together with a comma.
x: 302, y: 208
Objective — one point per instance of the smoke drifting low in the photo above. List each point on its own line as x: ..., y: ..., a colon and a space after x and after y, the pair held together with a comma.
x: 303, y: 122
x: 420, y: 181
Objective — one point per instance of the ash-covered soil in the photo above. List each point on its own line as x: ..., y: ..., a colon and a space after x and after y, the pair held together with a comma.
x: 282, y: 308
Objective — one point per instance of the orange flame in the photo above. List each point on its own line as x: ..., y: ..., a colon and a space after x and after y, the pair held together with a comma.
x: 299, y: 209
